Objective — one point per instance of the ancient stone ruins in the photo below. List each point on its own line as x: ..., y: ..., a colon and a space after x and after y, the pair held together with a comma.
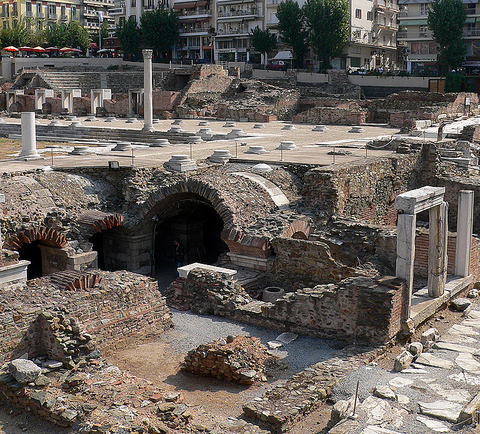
x: 306, y: 211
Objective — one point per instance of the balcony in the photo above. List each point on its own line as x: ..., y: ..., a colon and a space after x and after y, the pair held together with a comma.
x: 90, y: 13
x: 74, y: 18
x: 63, y: 18
x: 117, y: 11
x: 224, y: 2
x: 388, y: 26
x: 40, y: 15
x: 386, y: 5
x: 272, y: 24
x: 4, y: 15
x: 29, y: 14
x: 190, y: 13
x: 230, y: 32
x: 471, y: 33
x: 273, y: 2
x: 414, y: 35
x: 238, y: 13
x: 186, y: 31
x: 101, y: 3
x: 52, y: 17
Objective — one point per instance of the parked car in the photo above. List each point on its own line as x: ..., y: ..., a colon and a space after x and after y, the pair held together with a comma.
x: 277, y: 65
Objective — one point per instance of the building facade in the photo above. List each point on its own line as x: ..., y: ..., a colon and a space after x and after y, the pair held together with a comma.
x: 417, y: 44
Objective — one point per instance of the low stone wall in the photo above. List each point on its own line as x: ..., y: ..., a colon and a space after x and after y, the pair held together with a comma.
x: 332, y: 116
x: 123, y: 308
x: 355, y: 309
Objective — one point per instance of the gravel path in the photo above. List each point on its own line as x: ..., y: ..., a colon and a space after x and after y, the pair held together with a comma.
x: 193, y: 330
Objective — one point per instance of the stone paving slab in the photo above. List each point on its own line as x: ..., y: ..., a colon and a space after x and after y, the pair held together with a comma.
x: 433, y: 395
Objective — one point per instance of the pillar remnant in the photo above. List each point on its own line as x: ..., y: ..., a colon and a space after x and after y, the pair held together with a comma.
x: 2, y: 200
x: 409, y: 205
x: 29, y: 140
x: 147, y: 85
x: 464, y: 233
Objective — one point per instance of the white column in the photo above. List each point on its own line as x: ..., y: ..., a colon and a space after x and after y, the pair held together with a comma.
x: 29, y: 140
x: 464, y: 233
x: 406, y: 253
x: 147, y: 85
x: 437, y: 250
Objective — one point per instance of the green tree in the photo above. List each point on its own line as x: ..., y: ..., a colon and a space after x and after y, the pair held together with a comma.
x: 159, y: 29
x: 130, y: 36
x: 263, y: 41
x: 446, y: 19
x: 17, y: 35
x: 56, y: 35
x: 77, y: 36
x: 328, y: 26
x: 292, y: 29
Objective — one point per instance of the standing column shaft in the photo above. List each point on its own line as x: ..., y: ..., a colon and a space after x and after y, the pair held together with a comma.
x: 2, y: 200
x: 437, y: 249
x: 29, y: 140
x: 147, y: 84
x: 464, y: 233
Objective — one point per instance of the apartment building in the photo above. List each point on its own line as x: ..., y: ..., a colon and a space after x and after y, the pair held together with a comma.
x: 420, y: 49
x: 372, y: 42
x: 93, y: 12
x: 39, y: 13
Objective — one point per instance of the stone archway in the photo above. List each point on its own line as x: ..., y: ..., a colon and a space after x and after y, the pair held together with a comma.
x: 28, y: 243
x: 299, y: 229
x: 95, y: 225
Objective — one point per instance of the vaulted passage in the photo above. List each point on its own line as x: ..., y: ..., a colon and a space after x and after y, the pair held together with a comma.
x: 194, y: 222
x: 31, y: 252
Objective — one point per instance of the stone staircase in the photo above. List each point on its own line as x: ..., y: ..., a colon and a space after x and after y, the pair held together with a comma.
x: 62, y: 80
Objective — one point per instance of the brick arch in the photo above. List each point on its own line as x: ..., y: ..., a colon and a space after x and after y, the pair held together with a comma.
x: 48, y: 236
x: 148, y: 209
x: 299, y: 229
x: 98, y: 221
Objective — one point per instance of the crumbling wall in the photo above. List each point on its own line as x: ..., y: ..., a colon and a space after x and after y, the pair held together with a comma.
x: 301, y: 263
x: 365, y: 191
x: 123, y: 308
x: 354, y: 115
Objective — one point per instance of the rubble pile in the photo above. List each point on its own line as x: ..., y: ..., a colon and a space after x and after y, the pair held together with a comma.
x: 94, y: 397
x: 241, y: 359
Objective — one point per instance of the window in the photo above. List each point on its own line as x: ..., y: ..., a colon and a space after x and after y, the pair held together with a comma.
x: 423, y: 31
x: 39, y: 25
x: 369, y: 16
x: 28, y: 6
x: 52, y: 10
x: 133, y: 4
x: 358, y: 14
x: 73, y: 13
x: 14, y: 9
x: 471, y: 8
x: 356, y: 62
x: 423, y: 9
x: 5, y: 24
x: 63, y: 11
x: 39, y: 8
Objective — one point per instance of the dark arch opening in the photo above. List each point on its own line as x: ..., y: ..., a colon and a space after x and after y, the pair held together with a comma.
x: 194, y: 222
x: 31, y: 252
x: 97, y: 241
x: 299, y: 236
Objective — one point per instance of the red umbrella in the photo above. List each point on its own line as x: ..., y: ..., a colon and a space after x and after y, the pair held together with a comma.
x: 38, y: 50
x: 25, y: 48
x: 75, y: 50
x: 66, y: 49
x: 11, y: 48
x: 49, y: 49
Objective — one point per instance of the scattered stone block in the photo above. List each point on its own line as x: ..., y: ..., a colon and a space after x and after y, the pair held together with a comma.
x: 415, y: 348
x: 460, y: 304
x: 403, y: 361
x: 176, y: 129
x: 356, y: 130
x: 341, y: 410
x: 81, y: 150
x: 259, y: 126
x: 180, y: 163
x: 430, y: 335
x: 159, y: 143
x: 320, y: 128
x: 256, y: 149
x: 473, y: 293
x: 24, y: 371
x: 123, y: 146
x: 287, y: 145
x: 384, y: 392
x: 221, y: 156
x: 288, y: 127
x: 443, y: 410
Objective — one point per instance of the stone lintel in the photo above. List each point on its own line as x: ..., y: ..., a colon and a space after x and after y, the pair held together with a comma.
x: 421, y: 199
x: 183, y: 271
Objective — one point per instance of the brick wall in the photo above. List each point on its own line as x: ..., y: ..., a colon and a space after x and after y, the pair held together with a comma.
x: 332, y: 116
x: 122, y: 308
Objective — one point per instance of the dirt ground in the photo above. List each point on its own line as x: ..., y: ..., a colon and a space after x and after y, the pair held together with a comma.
x: 212, y: 401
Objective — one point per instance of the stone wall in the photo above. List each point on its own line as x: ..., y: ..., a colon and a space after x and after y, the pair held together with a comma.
x: 365, y: 191
x: 353, y: 115
x: 300, y: 264
x: 355, y: 309
x: 122, y: 308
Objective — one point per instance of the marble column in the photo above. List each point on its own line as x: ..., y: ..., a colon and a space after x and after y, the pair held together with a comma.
x: 406, y: 254
x: 29, y: 140
x: 147, y: 85
x: 2, y: 200
x: 464, y: 233
x: 437, y: 249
